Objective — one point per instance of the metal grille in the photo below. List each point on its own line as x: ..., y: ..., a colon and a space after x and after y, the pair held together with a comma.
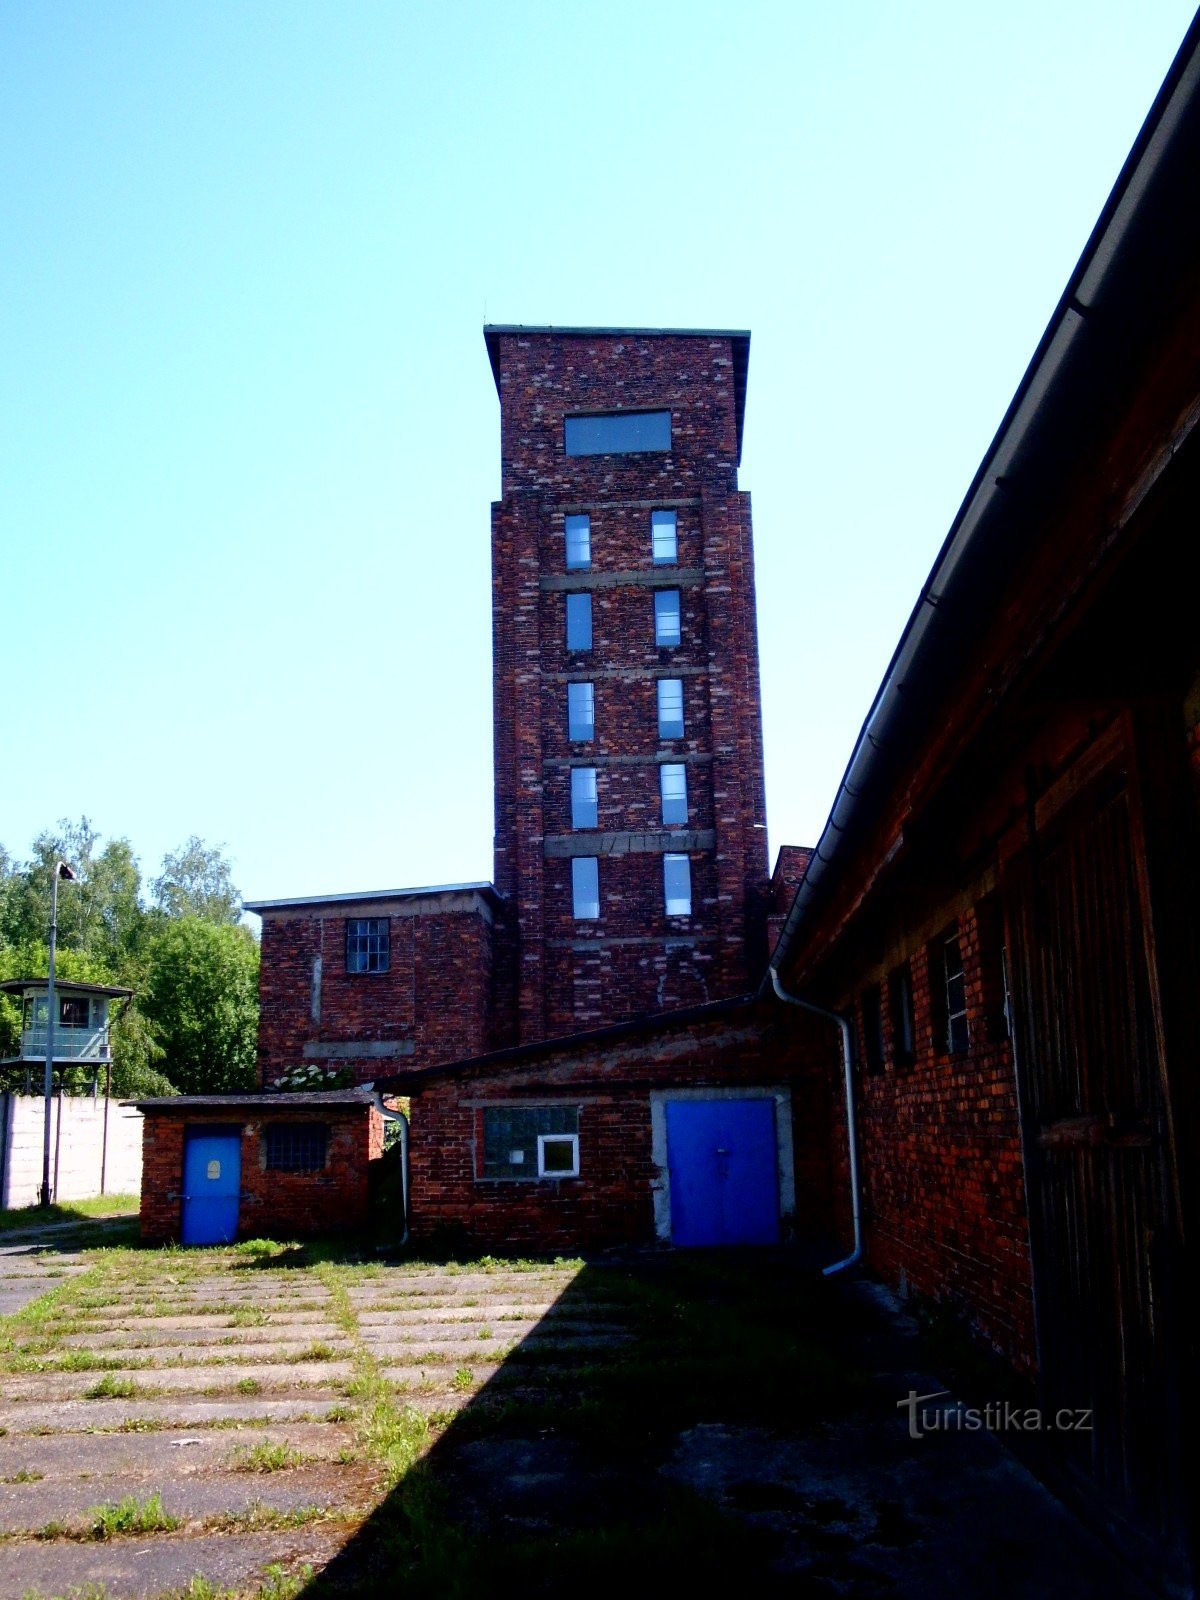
x: 296, y: 1146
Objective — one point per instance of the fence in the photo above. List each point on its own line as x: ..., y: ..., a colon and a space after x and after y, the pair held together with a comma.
x: 95, y: 1148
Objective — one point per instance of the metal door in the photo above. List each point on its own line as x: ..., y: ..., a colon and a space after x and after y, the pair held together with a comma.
x: 212, y: 1181
x: 1099, y: 1167
x: 723, y: 1167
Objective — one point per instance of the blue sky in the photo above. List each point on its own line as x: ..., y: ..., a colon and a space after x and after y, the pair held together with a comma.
x: 248, y: 434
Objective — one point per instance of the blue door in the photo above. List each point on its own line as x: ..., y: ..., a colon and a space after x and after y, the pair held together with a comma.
x: 723, y: 1166
x: 212, y: 1181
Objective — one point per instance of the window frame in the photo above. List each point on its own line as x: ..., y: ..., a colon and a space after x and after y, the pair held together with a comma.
x: 664, y: 614
x: 577, y: 863
x: 870, y: 1005
x: 543, y: 1139
x: 566, y: 1114
x: 660, y: 684
x: 572, y: 693
x: 902, y: 1013
x: 368, y: 970
x: 675, y: 857
x: 679, y: 767
x: 576, y: 431
x: 656, y: 559
x: 950, y: 1014
x: 297, y: 1132
x: 594, y: 798
x: 578, y: 599
x: 576, y: 518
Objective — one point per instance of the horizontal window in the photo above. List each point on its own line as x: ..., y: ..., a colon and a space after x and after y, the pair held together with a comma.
x: 672, y: 781
x: 585, y: 888
x: 583, y: 797
x: 296, y: 1146
x: 677, y: 885
x: 530, y: 1141
x: 579, y: 622
x: 666, y: 617
x: 664, y: 545
x: 617, y: 433
x: 581, y: 711
x: 368, y: 944
x: 670, y: 708
x: 578, y: 531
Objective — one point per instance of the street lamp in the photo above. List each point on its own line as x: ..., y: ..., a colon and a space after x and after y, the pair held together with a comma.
x: 61, y: 870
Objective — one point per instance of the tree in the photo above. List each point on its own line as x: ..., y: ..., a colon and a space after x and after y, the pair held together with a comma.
x: 201, y: 999
x: 196, y: 882
x: 100, y: 915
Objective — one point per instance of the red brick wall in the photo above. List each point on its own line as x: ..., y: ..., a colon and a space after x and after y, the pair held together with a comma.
x: 434, y: 998
x: 274, y: 1204
x: 633, y: 960
x: 611, y: 1202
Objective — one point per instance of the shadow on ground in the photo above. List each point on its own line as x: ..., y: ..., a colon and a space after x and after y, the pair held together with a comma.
x: 699, y: 1420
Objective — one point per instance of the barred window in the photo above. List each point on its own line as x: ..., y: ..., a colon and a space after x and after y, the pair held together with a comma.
x: 530, y: 1141
x: 368, y: 944
x: 296, y: 1146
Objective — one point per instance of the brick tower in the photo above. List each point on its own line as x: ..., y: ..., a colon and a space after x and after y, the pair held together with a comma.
x: 630, y: 844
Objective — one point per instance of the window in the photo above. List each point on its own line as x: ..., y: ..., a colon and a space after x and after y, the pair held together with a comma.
x: 666, y: 617
x: 583, y: 797
x: 558, y: 1155
x: 672, y: 782
x: 955, y: 1033
x: 900, y: 1004
x: 579, y: 622
x: 872, y: 1021
x: 578, y: 531
x: 581, y: 711
x: 617, y: 433
x: 368, y: 944
x: 296, y: 1146
x: 677, y: 885
x: 585, y: 888
x: 670, y: 708
x: 993, y: 968
x: 73, y: 1011
x: 528, y: 1141
x: 664, y: 543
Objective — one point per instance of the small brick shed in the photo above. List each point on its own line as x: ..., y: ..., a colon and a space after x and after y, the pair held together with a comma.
x: 305, y: 1159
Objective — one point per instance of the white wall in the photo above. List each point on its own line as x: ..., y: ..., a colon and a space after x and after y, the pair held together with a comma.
x: 75, y: 1154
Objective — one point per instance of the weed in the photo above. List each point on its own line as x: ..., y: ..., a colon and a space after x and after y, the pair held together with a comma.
x: 248, y: 1317
x: 26, y: 1475
x: 248, y: 1386
x: 484, y: 1333
x: 131, y: 1516
x: 280, y: 1585
x: 318, y: 1351
x: 463, y: 1378
x: 110, y: 1388
x: 266, y: 1457
x: 340, y: 1414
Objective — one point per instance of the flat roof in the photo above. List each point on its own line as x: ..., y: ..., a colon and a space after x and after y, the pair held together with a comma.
x: 64, y: 985
x: 278, y: 1100
x: 738, y: 337
x: 371, y: 894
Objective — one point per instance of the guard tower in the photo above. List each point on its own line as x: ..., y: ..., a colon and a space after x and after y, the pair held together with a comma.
x: 81, y: 1028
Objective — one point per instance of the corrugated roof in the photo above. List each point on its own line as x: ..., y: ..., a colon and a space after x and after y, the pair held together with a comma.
x: 371, y: 894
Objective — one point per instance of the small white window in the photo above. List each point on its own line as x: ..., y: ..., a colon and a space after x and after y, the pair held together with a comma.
x: 677, y: 885
x: 583, y: 797
x: 670, y: 708
x: 664, y: 544
x: 672, y: 779
x: 558, y: 1155
x: 666, y: 618
x: 581, y: 711
x: 585, y: 887
x: 578, y: 531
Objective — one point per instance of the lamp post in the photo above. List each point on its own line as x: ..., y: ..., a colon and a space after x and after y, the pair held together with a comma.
x: 61, y: 870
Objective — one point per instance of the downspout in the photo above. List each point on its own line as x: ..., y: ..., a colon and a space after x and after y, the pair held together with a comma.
x: 397, y: 1116
x: 843, y: 1023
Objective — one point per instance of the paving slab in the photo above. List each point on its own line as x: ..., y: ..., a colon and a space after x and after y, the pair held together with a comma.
x: 112, y: 1328
x: 173, y: 1453
x: 140, y: 1339
x: 36, y: 1417
x: 281, y: 1375
x: 26, y: 1507
x: 214, y: 1353
x: 135, y: 1569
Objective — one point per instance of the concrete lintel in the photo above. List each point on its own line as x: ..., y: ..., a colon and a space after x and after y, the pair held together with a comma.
x: 649, y: 578
x: 357, y: 1049
x: 652, y: 842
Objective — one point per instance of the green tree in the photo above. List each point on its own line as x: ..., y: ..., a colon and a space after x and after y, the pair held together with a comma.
x: 196, y: 881
x: 201, y: 999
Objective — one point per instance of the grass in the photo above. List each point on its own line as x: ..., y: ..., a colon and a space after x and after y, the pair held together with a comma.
x: 266, y: 1456
x: 18, y: 1218
x: 110, y: 1388
x: 131, y: 1516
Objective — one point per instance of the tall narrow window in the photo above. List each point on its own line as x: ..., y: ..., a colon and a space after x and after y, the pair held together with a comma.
x: 672, y: 782
x: 957, y: 1035
x: 872, y: 1021
x: 578, y: 531
x: 670, y: 708
x: 368, y: 944
x: 677, y: 885
x: 583, y: 797
x: 581, y: 711
x: 666, y: 617
x: 579, y: 622
x: 993, y: 967
x: 664, y: 542
x: 900, y: 1004
x: 585, y: 887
